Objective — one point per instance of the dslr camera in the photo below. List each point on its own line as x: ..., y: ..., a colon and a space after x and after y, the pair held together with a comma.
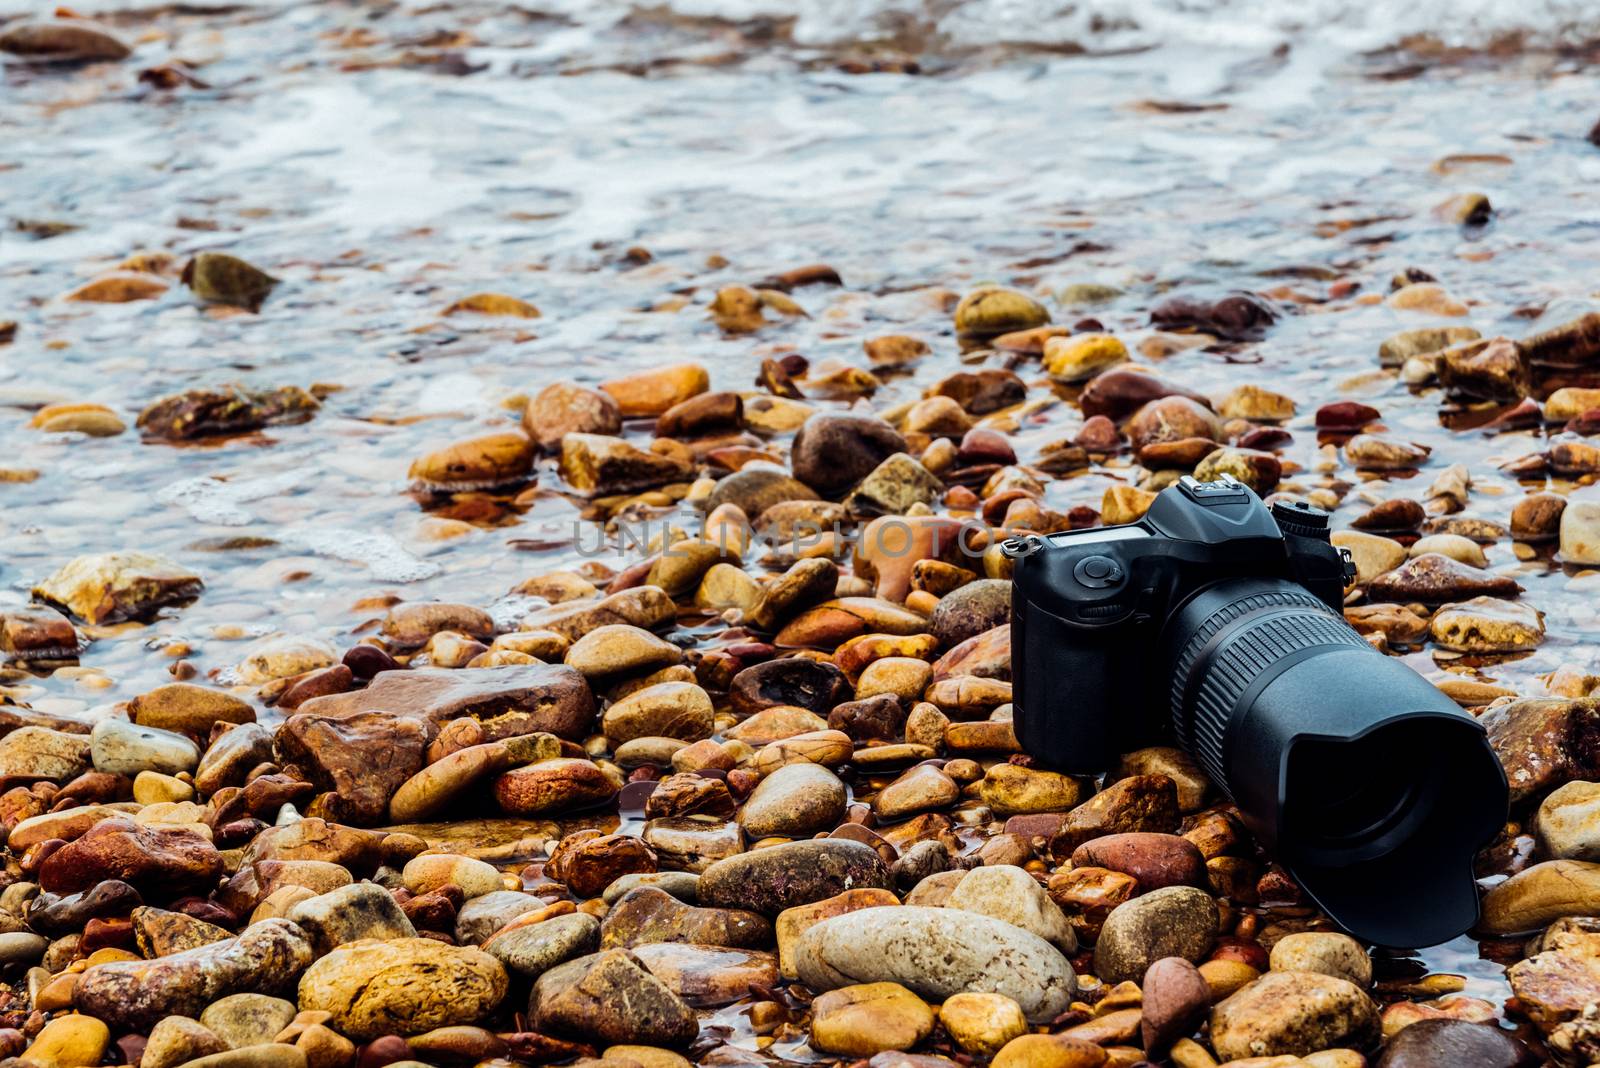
x: 1215, y: 623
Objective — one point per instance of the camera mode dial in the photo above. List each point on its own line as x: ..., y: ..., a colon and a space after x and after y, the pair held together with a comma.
x: 1098, y: 572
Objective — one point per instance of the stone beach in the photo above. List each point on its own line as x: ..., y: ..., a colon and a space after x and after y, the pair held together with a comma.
x: 467, y: 607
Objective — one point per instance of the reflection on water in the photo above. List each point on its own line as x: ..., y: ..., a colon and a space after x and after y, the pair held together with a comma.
x: 386, y: 160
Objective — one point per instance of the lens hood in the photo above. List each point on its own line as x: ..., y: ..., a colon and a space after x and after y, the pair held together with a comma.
x: 1372, y: 787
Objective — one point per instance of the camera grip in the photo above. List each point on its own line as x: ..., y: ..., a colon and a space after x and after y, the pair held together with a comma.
x: 1062, y: 690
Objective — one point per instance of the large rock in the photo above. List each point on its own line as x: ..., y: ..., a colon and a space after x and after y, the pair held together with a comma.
x: 937, y: 952
x: 507, y: 701
x: 611, y: 997
x: 266, y: 958
x: 402, y: 986
x: 1293, y: 1013
x: 108, y: 587
x: 780, y: 877
x: 833, y: 452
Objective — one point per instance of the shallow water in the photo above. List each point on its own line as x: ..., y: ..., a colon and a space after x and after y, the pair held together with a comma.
x: 386, y: 160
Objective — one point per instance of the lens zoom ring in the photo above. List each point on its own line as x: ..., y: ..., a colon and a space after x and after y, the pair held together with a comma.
x: 1184, y: 665
x: 1241, y: 660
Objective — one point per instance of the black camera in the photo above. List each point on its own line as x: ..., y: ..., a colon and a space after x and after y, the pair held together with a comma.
x: 1215, y: 623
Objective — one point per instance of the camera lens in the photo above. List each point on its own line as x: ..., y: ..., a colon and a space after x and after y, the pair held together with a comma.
x: 1362, y: 776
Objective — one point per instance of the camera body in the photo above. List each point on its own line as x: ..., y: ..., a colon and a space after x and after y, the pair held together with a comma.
x: 1090, y: 607
x: 1215, y: 623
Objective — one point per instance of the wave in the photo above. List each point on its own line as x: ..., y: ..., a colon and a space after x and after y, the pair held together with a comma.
x: 1118, y: 24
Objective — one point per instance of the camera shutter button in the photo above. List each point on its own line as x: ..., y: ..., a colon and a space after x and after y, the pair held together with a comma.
x: 1098, y: 572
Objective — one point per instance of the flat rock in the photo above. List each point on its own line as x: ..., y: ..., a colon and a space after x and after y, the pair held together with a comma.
x: 519, y: 699
x: 110, y: 587
x: 937, y: 953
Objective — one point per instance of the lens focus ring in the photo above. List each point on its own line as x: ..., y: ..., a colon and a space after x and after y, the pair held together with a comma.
x: 1228, y: 650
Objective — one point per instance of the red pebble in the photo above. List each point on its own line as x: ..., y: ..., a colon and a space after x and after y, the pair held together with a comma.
x: 382, y: 1051
x: 102, y: 933
x: 1098, y: 434
x: 1345, y: 415
x: 365, y: 661
x: 1237, y: 949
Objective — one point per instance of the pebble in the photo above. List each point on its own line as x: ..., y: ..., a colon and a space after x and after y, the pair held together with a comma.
x: 923, y: 788
x: 1487, y: 625
x: 680, y: 710
x: 242, y: 1020
x: 1175, y: 1001
x: 347, y: 914
x: 792, y: 801
x: 982, y: 1023
x: 1568, y: 822
x: 1177, y: 921
x: 1325, y: 952
x: 1580, y: 532
x: 430, y: 871
x: 868, y: 1018
x: 619, y: 649
x: 73, y: 1041
x: 178, y: 1040
x: 110, y: 587
x: 45, y: 753
x: 831, y: 452
x: 611, y: 997
x: 480, y: 918
x: 782, y: 876
x: 532, y: 948
x: 1009, y: 893
x: 647, y: 914
x: 1049, y: 1051
x: 971, y: 610
x: 119, y: 747
x: 560, y: 785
